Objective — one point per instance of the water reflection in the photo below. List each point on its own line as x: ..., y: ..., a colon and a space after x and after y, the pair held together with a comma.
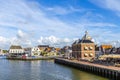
x: 81, y: 75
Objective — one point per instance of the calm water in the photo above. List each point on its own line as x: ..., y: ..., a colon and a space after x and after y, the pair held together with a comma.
x: 41, y: 70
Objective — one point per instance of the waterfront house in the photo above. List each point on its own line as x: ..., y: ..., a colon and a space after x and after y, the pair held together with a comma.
x: 43, y: 47
x: 84, y: 48
x: 34, y: 51
x: 16, y: 50
x: 67, y: 50
x: 27, y: 51
x: 1, y: 52
x: 50, y: 51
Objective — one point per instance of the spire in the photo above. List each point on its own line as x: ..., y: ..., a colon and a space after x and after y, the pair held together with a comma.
x: 86, y: 32
x: 86, y: 36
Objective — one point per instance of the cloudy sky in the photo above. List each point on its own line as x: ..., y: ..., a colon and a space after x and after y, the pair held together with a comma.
x: 58, y: 22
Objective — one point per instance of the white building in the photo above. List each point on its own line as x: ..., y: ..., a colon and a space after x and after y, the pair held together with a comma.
x: 34, y: 51
x: 16, y: 50
x: 68, y: 52
x: 1, y: 52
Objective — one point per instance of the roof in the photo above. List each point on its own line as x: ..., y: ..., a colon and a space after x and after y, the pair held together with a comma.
x: 106, y: 46
x: 43, y: 45
x: 83, y: 41
x: 86, y: 39
x: 15, y: 47
x: 26, y: 49
x: 58, y: 49
x: 86, y: 36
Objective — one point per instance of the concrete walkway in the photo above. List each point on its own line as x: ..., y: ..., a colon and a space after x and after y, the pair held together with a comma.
x: 92, y: 64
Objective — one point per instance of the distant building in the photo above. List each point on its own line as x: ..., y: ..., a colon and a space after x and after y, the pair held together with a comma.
x: 51, y: 51
x: 34, y: 51
x: 58, y: 49
x: 68, y: 52
x: 43, y: 47
x: 27, y: 51
x: 118, y: 51
x: 106, y: 46
x: 98, y: 51
x: 1, y: 52
x: 84, y: 48
x: 16, y: 50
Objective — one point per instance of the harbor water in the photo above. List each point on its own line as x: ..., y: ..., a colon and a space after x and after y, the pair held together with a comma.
x: 41, y: 70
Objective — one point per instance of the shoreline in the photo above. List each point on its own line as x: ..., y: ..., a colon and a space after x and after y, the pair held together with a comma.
x: 32, y: 58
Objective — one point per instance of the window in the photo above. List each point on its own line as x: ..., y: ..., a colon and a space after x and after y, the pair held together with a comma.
x: 86, y: 55
x: 85, y: 48
x: 90, y: 47
x: 91, y: 54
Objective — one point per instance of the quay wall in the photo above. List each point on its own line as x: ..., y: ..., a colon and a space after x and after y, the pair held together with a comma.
x: 101, y: 71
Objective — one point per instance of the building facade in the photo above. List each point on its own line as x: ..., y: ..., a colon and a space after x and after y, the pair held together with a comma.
x: 16, y: 50
x: 33, y: 51
x: 84, y: 48
x: 43, y: 47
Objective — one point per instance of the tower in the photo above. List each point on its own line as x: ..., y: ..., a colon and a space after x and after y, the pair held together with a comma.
x: 84, y: 48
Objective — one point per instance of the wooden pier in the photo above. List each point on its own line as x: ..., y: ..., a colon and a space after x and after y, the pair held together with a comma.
x: 110, y: 72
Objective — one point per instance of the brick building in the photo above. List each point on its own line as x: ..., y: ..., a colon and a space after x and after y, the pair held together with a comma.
x: 84, y: 48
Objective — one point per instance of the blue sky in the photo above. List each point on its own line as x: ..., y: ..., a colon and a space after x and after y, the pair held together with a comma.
x: 58, y: 22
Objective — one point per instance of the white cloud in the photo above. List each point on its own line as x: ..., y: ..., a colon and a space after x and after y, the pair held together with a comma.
x: 113, y: 5
x: 4, y: 42
x: 21, y: 15
x: 58, y: 10
x: 98, y: 24
x: 21, y: 34
x: 55, y: 41
x: 31, y: 22
x: 21, y: 38
x: 66, y: 40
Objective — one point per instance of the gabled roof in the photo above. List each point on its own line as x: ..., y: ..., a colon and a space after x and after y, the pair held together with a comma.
x: 15, y: 47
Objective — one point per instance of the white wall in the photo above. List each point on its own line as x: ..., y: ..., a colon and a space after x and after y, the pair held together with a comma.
x: 16, y: 51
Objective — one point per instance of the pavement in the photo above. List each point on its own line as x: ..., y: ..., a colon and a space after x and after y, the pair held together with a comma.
x: 94, y: 64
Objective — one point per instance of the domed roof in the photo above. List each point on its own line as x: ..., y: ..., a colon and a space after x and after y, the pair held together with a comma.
x: 86, y: 39
x: 86, y: 36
